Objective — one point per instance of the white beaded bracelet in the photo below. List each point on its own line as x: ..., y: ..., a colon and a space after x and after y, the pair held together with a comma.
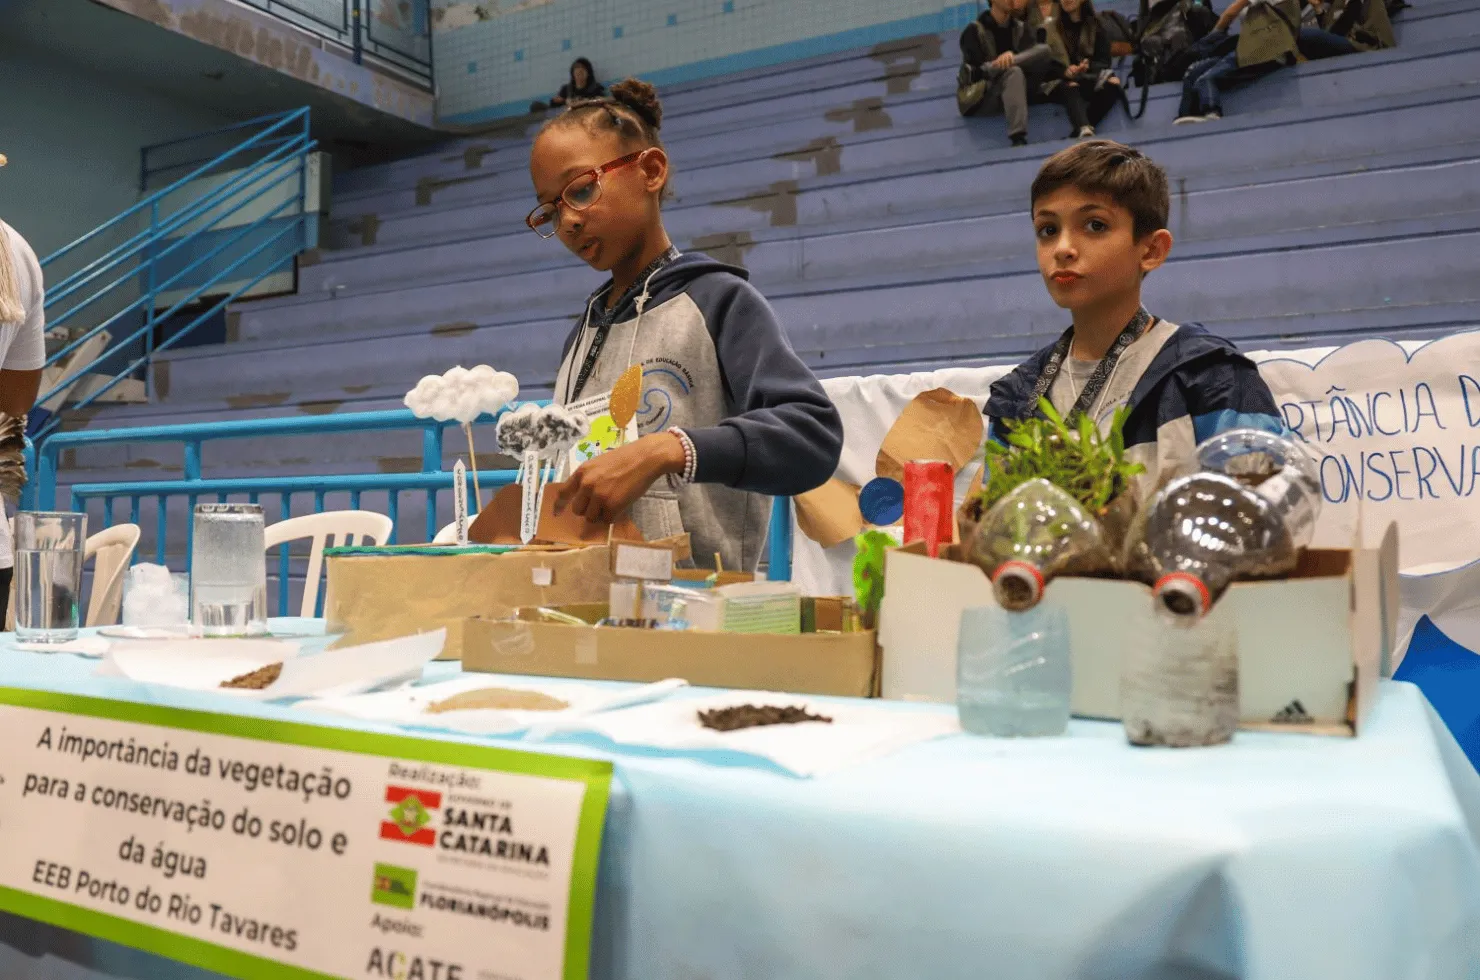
x: 690, y: 459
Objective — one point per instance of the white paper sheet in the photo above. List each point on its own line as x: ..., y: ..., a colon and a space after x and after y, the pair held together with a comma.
x: 198, y: 665
x: 203, y: 665
x: 408, y: 706
x: 859, y: 731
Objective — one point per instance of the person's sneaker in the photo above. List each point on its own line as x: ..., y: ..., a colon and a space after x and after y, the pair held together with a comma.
x: 1184, y: 120
x: 1019, y: 139
x: 1213, y: 116
x: 1086, y: 133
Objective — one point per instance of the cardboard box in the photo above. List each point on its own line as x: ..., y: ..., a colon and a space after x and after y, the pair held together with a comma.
x: 379, y: 594
x: 1316, y: 638
x: 810, y: 663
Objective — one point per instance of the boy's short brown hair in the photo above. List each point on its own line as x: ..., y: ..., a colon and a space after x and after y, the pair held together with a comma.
x: 1122, y: 173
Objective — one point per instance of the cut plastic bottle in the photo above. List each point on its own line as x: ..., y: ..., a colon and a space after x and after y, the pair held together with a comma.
x: 1032, y: 534
x: 1246, y: 517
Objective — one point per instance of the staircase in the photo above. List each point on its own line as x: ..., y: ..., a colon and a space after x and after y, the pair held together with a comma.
x: 1337, y: 200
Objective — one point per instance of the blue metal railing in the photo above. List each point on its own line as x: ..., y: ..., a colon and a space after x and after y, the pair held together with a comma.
x: 181, y: 248
x: 41, y: 492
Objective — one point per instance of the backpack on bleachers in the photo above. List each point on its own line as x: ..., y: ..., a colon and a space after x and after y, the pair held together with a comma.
x: 1166, y: 33
x: 1121, y: 32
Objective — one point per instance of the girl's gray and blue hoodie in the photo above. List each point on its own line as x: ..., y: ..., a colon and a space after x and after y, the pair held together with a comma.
x: 715, y: 363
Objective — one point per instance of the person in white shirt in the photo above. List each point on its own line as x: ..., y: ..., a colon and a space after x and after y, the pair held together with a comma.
x: 22, y: 355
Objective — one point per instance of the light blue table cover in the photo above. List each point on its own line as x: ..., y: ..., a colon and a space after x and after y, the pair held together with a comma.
x: 1081, y: 858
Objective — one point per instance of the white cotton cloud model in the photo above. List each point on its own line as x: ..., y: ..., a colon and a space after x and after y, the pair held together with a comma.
x: 462, y: 394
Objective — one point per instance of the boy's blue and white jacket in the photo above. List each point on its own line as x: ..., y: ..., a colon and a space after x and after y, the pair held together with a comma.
x: 1194, y: 386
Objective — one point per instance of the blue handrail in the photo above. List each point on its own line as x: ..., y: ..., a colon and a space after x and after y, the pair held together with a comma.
x: 178, y: 248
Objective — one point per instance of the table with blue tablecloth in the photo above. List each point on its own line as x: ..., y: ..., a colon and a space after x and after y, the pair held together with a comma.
x: 1279, y: 856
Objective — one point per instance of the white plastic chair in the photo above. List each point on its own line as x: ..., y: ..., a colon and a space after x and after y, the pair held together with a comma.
x: 112, y: 551
x: 334, y: 528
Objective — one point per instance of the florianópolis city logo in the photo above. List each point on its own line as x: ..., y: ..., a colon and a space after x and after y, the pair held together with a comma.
x: 394, y: 886
x: 411, y: 812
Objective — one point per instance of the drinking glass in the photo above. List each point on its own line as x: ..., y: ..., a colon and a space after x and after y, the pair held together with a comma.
x: 48, y: 575
x: 228, y: 570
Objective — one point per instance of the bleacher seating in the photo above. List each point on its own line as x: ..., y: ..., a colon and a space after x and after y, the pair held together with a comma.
x: 1337, y: 200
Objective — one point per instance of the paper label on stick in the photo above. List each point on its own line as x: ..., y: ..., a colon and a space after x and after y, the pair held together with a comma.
x: 644, y: 563
x: 460, y: 501
x: 530, y: 487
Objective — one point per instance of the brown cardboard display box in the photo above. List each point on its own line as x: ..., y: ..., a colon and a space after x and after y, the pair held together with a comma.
x: 810, y: 663
x: 1309, y: 646
x: 382, y: 593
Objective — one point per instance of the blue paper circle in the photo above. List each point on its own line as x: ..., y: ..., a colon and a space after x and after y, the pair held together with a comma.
x: 881, y: 501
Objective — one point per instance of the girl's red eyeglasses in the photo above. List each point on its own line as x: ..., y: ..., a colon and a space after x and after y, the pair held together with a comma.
x: 583, y: 191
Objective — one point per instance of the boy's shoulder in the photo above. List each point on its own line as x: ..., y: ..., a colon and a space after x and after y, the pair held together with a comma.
x: 1198, y: 358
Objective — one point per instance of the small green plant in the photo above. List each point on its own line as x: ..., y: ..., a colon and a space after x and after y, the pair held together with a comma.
x: 868, y: 574
x: 1090, y: 466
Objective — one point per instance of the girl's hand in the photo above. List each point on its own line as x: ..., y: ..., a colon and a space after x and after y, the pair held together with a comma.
x: 602, y: 489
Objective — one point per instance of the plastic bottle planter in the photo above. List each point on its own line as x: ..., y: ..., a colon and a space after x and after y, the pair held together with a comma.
x: 1179, y: 687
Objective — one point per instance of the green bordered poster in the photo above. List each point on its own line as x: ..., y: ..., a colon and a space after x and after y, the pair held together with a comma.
x: 259, y: 848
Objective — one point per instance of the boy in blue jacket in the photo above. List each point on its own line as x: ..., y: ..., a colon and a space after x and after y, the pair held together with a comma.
x: 1100, y: 213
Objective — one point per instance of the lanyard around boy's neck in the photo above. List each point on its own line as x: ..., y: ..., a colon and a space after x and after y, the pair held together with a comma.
x: 1096, y: 383
x: 608, y: 317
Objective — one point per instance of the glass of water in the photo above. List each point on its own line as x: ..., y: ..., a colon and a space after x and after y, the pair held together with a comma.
x: 228, y: 570
x: 48, y: 575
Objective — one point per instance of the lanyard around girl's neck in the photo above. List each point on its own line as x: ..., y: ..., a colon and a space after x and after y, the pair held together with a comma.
x: 608, y: 317
x: 1096, y: 382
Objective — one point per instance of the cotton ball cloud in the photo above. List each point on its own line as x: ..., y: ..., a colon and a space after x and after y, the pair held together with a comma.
x: 558, y: 428
x: 547, y: 431
x: 462, y: 394
x: 516, y: 430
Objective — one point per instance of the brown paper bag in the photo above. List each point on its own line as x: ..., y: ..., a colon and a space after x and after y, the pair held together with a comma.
x: 829, y: 515
x: 937, y: 424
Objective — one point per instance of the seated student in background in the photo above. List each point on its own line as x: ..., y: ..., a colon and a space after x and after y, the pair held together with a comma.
x: 582, y: 84
x: 1100, y: 218
x: 1342, y: 27
x: 1087, y: 88
x: 1266, y: 42
x: 1000, y: 53
x: 729, y: 414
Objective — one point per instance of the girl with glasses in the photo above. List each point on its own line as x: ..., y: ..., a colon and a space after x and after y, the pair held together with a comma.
x: 728, y: 413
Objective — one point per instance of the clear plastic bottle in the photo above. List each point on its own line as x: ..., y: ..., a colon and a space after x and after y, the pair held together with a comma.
x: 1013, y: 674
x: 1032, y: 534
x: 1277, y: 468
x: 1200, y: 533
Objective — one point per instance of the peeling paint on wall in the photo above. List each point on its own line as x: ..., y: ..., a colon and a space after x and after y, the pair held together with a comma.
x: 825, y: 151
x: 779, y: 200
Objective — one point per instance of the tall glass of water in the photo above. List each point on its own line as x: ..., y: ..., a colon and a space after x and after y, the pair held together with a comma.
x: 228, y: 570
x: 48, y: 575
